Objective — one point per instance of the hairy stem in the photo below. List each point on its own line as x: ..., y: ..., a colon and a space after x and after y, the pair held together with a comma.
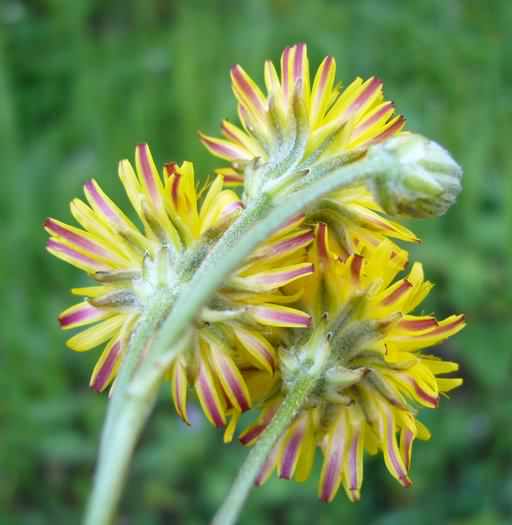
x: 255, y: 225
x: 113, y: 466
x: 144, y: 331
x: 164, y: 325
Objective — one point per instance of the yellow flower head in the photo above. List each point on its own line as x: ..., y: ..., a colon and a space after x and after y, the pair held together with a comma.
x: 335, y: 120
x: 376, y: 374
x: 300, y: 129
x: 130, y: 266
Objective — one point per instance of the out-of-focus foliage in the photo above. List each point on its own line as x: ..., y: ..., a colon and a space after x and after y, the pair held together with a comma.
x: 82, y: 81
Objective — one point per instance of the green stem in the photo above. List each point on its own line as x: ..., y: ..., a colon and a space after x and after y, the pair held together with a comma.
x: 255, y: 225
x: 124, y: 412
x: 125, y: 419
x: 113, y: 466
x: 123, y: 432
x: 289, y: 408
x: 144, y: 331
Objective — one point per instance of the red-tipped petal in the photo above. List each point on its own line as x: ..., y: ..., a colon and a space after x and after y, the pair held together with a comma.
x: 274, y: 315
x: 211, y: 401
x: 105, y: 369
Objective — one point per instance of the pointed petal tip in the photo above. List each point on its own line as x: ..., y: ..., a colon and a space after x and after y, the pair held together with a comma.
x: 89, y: 185
x: 325, y: 497
x: 354, y: 495
x: 93, y: 385
x: 170, y: 168
x: 405, y: 481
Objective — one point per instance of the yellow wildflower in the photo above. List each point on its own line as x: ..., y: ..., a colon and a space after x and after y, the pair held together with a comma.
x: 303, y: 129
x: 130, y: 266
x: 376, y: 374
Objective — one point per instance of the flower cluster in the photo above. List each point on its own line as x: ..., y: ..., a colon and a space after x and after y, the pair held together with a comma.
x: 129, y: 267
x: 326, y: 276
x: 375, y: 374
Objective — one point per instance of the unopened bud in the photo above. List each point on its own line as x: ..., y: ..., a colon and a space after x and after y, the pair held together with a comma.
x: 424, y: 182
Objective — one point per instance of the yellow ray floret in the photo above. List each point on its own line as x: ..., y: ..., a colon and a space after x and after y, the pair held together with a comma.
x: 337, y: 120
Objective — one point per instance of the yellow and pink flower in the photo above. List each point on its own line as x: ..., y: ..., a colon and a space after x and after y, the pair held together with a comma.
x: 130, y: 266
x: 377, y: 373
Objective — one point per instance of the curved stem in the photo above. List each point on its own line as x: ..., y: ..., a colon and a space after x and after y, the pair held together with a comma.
x: 112, y: 467
x: 260, y: 220
x: 256, y: 223
x: 125, y: 419
x: 144, y: 331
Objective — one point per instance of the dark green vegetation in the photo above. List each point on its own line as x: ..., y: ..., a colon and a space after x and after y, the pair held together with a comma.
x: 82, y: 81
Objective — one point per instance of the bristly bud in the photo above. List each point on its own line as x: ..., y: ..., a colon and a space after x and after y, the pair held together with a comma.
x: 425, y: 182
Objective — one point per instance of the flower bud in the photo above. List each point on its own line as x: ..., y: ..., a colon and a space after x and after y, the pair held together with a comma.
x: 424, y: 181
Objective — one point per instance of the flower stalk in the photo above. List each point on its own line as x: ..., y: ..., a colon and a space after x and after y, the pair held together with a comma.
x: 141, y: 337
x: 128, y: 409
x: 255, y: 224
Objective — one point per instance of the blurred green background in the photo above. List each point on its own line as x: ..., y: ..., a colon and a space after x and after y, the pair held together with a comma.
x: 82, y: 81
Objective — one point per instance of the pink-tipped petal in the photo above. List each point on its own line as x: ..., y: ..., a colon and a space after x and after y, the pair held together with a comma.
x: 225, y: 149
x: 386, y: 108
x: 291, y: 449
x: 104, y: 370
x: 425, y: 397
x: 232, y: 207
x: 334, y: 454
x: 257, y: 346
x: 273, y: 279
x: 148, y: 174
x: 268, y: 466
x: 394, y: 127
x: 273, y: 315
x: 231, y: 177
x: 298, y: 66
x: 452, y: 327
x: 76, y: 237
x: 231, y: 379
x: 246, y: 90
x: 208, y: 395
x: 406, y: 441
x: 354, y: 467
x: 289, y: 225
x: 285, y: 71
x: 64, y: 252
x: 285, y: 246
x: 322, y: 89
x: 373, y: 85
x: 392, y: 456
x: 82, y: 314
x: 249, y: 436
x: 101, y: 203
